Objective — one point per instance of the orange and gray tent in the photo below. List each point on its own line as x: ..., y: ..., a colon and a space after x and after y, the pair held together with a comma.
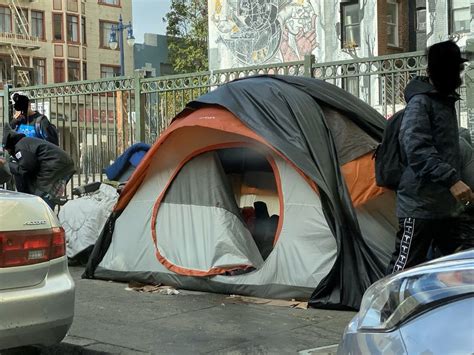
x: 191, y: 215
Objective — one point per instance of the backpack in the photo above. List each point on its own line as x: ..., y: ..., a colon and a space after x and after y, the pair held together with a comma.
x: 34, y: 129
x: 388, y: 160
x: 53, y: 135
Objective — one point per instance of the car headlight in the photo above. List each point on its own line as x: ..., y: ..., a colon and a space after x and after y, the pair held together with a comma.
x: 402, y: 296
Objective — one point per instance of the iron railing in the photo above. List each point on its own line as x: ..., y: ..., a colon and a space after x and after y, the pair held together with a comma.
x: 98, y: 119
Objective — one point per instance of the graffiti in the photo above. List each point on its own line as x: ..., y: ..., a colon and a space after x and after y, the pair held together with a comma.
x: 263, y: 31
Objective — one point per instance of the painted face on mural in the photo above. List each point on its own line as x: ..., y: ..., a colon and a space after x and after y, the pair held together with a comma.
x: 265, y: 31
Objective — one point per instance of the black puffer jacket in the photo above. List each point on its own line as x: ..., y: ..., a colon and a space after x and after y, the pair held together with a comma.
x: 430, y: 146
x: 38, y: 162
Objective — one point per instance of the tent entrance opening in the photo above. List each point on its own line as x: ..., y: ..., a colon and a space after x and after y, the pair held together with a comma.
x: 255, y: 190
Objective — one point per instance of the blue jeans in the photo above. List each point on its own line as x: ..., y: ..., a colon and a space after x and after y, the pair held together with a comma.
x: 51, y: 203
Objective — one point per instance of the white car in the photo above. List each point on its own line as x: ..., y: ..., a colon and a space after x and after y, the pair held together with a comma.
x: 36, y: 289
x: 428, y: 309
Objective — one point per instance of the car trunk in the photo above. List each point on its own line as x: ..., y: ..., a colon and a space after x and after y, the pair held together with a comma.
x: 22, y: 219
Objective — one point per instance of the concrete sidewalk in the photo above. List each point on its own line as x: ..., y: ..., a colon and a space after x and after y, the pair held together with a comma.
x: 110, y: 319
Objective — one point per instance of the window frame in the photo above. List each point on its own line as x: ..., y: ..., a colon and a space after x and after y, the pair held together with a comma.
x: 451, y: 11
x: 45, y: 69
x: 116, y: 69
x: 78, y: 68
x: 395, y: 24
x: 84, y: 70
x: 343, y: 10
x: 62, y: 27
x: 417, y: 11
x: 11, y: 18
x: 26, y: 12
x: 106, y: 45
x: 83, y: 30
x: 78, y: 39
x: 102, y: 2
x: 43, y: 24
x: 351, y: 84
x: 56, y: 79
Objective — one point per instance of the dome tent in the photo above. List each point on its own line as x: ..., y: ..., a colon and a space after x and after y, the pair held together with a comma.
x: 177, y: 222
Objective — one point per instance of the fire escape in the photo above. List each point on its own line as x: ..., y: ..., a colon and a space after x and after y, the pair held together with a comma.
x: 19, y: 42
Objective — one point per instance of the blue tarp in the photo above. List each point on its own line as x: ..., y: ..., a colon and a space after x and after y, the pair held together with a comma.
x: 132, y: 156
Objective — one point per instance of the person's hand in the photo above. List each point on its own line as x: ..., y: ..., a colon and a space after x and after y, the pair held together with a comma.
x: 2, y: 162
x: 17, y: 118
x: 462, y: 192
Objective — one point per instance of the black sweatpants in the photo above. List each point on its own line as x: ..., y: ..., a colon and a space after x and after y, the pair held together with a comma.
x: 414, y: 239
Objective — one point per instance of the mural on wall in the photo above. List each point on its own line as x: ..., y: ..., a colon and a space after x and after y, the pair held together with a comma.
x: 264, y: 31
x: 437, y: 25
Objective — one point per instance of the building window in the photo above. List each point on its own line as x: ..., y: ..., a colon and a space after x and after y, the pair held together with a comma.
x: 5, y: 69
x: 392, y: 23
x: 350, y: 24
x: 39, y: 67
x: 83, y: 30
x: 73, y: 71
x: 59, y: 71
x: 421, y: 19
x: 5, y: 19
x: 109, y: 71
x: 84, y: 71
x: 105, y: 29
x: 459, y: 16
x: 57, y: 27
x: 37, y: 24
x: 351, y: 83
x: 72, y: 28
x: 21, y: 22
x: 110, y: 2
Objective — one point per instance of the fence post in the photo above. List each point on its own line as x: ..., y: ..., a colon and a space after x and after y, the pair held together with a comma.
x: 308, y: 65
x: 469, y: 80
x: 6, y: 104
x: 139, y: 106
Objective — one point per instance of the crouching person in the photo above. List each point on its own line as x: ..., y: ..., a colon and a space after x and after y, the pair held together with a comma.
x: 44, y: 167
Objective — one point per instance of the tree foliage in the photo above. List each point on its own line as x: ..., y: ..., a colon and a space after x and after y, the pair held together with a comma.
x: 187, y: 31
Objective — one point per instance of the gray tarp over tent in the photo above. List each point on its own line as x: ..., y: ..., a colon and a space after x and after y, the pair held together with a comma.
x: 292, y: 115
x: 289, y: 116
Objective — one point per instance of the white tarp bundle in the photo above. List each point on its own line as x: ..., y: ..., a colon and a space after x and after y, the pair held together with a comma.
x: 84, y: 218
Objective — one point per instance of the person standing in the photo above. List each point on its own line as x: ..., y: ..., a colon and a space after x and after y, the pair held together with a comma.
x: 430, y: 184
x: 31, y: 123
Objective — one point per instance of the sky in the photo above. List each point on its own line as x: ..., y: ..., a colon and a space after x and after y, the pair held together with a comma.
x: 147, y: 17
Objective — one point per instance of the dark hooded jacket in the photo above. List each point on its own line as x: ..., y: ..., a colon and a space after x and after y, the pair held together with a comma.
x: 429, y: 142
x: 38, y: 162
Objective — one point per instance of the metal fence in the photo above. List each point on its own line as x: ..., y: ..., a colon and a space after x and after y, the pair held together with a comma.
x: 97, y: 120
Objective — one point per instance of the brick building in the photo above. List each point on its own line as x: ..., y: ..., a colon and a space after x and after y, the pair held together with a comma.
x: 53, y: 41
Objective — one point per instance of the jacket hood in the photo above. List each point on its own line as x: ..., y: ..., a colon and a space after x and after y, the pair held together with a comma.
x: 418, y: 85
x: 10, y: 137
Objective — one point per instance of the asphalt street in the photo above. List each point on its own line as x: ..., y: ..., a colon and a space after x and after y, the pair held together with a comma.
x: 111, y: 319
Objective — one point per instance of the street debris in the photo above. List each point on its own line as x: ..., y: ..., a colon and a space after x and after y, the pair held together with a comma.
x: 268, y: 302
x: 160, y: 288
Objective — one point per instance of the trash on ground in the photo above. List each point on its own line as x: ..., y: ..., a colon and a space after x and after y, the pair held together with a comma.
x: 267, y: 302
x: 160, y: 289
